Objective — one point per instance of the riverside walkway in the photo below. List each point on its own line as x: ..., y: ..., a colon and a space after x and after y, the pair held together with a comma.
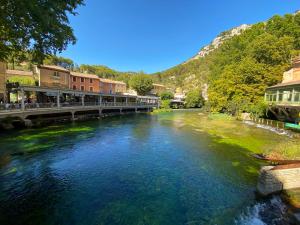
x: 71, y: 103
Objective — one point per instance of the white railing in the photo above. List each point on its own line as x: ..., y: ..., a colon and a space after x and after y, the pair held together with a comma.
x: 32, y: 106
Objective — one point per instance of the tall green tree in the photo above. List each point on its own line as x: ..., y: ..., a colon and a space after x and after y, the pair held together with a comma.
x: 141, y: 83
x: 38, y: 26
x: 194, y: 99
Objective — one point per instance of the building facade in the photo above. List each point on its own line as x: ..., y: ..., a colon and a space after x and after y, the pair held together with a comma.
x: 157, y: 89
x: 284, y: 98
x: 120, y: 87
x: 84, y: 82
x: 53, y: 76
x: 294, y: 73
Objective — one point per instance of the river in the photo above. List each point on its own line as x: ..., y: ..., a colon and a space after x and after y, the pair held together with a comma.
x: 163, y: 169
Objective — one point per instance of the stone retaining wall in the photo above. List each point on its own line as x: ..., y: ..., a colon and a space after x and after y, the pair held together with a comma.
x: 275, y: 179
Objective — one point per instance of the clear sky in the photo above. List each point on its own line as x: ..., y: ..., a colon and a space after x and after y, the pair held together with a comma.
x: 154, y: 35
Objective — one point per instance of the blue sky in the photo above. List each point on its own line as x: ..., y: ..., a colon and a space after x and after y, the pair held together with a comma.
x: 154, y: 35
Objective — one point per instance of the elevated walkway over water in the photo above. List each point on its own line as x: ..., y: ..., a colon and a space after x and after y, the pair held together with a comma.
x: 69, y: 103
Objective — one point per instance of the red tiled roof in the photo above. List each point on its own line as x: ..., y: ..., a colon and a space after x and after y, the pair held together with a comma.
x: 297, y: 82
x: 53, y: 67
x: 76, y: 74
x: 159, y: 85
x: 111, y: 81
x: 19, y: 72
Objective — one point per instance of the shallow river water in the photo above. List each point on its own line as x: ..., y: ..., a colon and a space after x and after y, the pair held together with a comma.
x: 137, y: 169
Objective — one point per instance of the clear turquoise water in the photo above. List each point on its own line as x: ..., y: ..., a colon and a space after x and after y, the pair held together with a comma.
x: 133, y: 170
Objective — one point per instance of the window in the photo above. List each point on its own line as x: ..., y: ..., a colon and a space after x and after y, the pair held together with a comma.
x: 82, y: 88
x: 91, y: 89
x: 74, y: 87
x: 82, y: 79
x: 74, y: 79
x: 91, y: 81
x: 56, y: 74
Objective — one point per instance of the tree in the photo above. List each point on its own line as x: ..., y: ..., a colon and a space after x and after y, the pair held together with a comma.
x: 59, y: 61
x: 166, y: 95
x: 37, y: 26
x: 165, y: 104
x: 194, y: 99
x: 141, y: 83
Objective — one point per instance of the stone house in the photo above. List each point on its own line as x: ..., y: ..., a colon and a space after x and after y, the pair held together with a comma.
x: 84, y: 82
x: 294, y: 73
x: 108, y: 86
x: 120, y: 87
x: 158, y: 88
x: 53, y: 76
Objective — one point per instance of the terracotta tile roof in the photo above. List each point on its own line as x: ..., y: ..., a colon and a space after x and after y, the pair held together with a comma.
x: 111, y: 81
x: 19, y: 72
x: 92, y: 76
x: 297, y: 82
x: 53, y: 67
x: 159, y: 85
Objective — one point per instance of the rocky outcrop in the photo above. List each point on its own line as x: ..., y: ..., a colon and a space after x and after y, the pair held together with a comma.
x: 218, y: 41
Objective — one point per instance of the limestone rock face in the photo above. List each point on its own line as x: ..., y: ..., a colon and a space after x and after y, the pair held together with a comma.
x: 218, y: 41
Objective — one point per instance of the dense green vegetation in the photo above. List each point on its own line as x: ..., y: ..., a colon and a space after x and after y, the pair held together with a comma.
x: 166, y: 95
x: 242, y: 67
x: 141, y: 83
x: 22, y: 80
x: 194, y: 99
x: 35, y: 26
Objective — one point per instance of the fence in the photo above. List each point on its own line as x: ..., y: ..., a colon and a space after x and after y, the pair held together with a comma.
x: 267, y: 122
x: 31, y: 106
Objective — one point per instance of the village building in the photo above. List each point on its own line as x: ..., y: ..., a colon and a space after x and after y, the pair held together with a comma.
x: 157, y: 89
x: 284, y: 98
x: 108, y: 86
x: 84, y: 82
x: 53, y: 76
x: 120, y: 87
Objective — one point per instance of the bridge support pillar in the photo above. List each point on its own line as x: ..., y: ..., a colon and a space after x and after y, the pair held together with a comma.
x: 22, y: 100
x: 58, y: 99
x: 100, y: 100
x: 73, y: 116
x: 82, y: 100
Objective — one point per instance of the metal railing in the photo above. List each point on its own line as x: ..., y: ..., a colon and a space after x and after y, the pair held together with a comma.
x: 32, y: 106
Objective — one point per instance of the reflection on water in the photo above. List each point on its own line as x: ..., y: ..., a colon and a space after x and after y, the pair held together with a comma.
x: 138, y: 169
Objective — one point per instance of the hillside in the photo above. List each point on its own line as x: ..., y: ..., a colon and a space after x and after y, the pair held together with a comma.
x: 239, y: 67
